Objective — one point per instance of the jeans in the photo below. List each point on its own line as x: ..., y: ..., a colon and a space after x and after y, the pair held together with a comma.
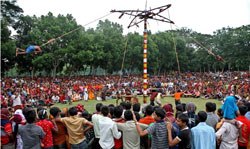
x: 82, y: 145
x: 177, y: 102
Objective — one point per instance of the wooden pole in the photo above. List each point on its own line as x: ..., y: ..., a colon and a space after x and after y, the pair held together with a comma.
x: 145, y: 75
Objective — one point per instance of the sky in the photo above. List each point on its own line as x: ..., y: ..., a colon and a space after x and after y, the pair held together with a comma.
x: 204, y: 16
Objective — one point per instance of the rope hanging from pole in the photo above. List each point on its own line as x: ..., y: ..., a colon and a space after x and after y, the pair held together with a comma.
x: 219, y: 58
x: 176, y: 54
x: 74, y: 30
x: 123, y: 59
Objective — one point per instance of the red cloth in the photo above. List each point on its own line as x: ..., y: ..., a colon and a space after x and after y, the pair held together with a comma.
x: 245, y: 129
x: 118, y: 142
x: 5, y: 137
x: 47, y: 127
x: 153, y: 95
x: 147, y: 120
x: 62, y: 97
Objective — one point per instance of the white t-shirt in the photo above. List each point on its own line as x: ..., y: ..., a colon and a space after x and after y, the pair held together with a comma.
x: 17, y: 101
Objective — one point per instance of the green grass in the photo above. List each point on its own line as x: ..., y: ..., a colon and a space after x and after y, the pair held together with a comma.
x: 90, y: 105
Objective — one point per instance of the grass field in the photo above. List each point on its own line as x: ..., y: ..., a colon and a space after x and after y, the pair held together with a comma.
x: 90, y: 105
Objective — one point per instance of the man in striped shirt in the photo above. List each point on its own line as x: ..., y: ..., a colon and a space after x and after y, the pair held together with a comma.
x: 158, y: 130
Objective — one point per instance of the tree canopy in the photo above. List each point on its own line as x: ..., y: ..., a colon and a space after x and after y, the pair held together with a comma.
x: 103, y: 47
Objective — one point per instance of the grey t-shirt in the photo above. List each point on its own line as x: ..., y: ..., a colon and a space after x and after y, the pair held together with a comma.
x: 159, y: 135
x: 31, y: 135
x: 212, y: 119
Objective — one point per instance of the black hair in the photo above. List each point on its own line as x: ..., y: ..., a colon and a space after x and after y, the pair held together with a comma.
x: 211, y: 107
x: 98, y: 107
x: 184, y: 106
x: 243, y: 109
x: 179, y: 107
x: 39, y: 108
x: 105, y: 110
x: 73, y: 111
x: 111, y: 105
x: 127, y: 105
x: 54, y: 111
x: 202, y: 116
x: 248, y: 105
x: 149, y: 110
x: 118, y: 111
x: 85, y: 114
x: 42, y: 114
x: 30, y: 116
x: 183, y: 118
x: 26, y: 109
x: 160, y: 113
x: 122, y: 104
x: 128, y: 115
x: 136, y: 107
x: 111, y: 111
x: 155, y: 107
x: 137, y: 115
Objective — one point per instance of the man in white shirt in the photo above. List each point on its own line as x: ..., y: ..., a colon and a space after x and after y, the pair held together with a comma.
x: 16, y: 101
x: 95, y: 120
x: 108, y: 130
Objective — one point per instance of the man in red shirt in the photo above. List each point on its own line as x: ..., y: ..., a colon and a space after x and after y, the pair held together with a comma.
x: 245, y: 127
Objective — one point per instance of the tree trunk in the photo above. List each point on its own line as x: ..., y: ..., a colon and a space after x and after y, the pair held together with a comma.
x: 54, y: 72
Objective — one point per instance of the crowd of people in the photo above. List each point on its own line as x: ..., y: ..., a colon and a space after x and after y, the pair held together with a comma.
x: 45, y: 90
x: 27, y: 124
x: 128, y: 126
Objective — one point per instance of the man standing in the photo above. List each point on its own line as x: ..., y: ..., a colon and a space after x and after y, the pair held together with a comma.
x: 74, y: 126
x: 177, y: 97
x: 245, y: 127
x: 212, y: 119
x: 203, y: 135
x: 184, y: 137
x: 95, y: 119
x: 131, y: 138
x: 158, y: 130
x: 108, y: 130
x: 31, y: 133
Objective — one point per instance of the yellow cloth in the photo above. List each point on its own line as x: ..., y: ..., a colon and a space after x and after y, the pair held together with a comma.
x: 74, y: 126
x: 91, y: 95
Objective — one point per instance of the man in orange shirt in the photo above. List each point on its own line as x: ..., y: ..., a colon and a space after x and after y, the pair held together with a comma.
x: 148, y: 119
x: 177, y: 97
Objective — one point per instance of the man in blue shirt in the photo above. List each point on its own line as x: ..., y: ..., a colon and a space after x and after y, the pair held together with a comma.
x: 203, y: 136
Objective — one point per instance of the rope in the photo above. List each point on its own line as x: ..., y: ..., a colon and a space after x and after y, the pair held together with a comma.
x: 123, y: 59
x: 209, y: 51
x: 176, y: 54
x: 77, y: 29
